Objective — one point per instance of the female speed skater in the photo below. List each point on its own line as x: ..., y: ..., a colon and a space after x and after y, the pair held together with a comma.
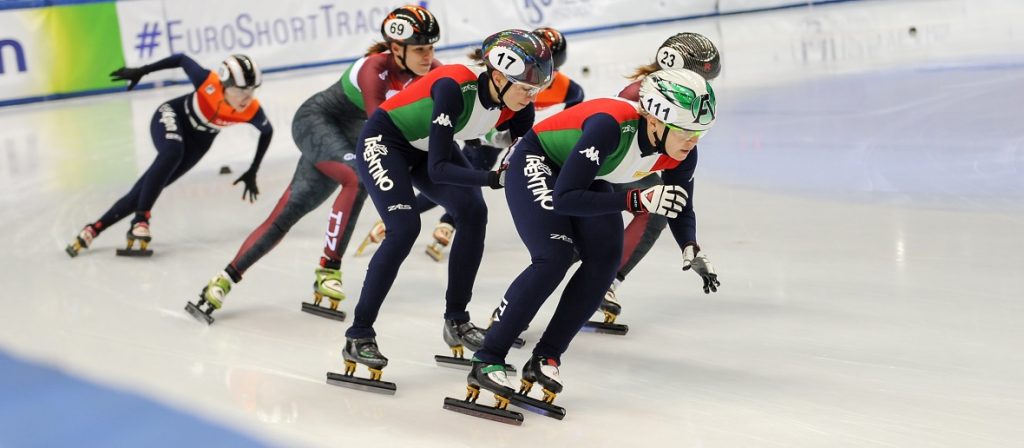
x: 483, y: 153
x: 560, y: 195
x: 326, y: 129
x: 183, y: 130
x: 411, y: 142
x: 697, y: 53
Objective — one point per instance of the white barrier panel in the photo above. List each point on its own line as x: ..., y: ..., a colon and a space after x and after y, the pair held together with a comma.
x: 863, y: 36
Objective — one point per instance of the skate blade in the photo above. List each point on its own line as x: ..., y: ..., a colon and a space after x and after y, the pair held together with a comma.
x: 601, y: 327
x: 363, y: 384
x: 134, y: 253
x: 437, y: 255
x: 327, y: 313
x: 71, y: 251
x: 465, y: 364
x: 484, y: 412
x: 198, y: 314
x: 537, y: 406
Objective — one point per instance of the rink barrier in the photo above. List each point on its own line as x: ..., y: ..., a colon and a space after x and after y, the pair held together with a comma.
x: 22, y: 4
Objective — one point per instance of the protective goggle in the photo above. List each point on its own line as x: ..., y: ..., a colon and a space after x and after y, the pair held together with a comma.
x: 686, y: 133
x: 530, y: 89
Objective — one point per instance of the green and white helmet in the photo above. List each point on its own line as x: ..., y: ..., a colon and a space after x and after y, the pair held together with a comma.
x: 680, y: 98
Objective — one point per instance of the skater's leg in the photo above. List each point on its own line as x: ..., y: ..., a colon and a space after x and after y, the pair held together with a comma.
x: 469, y: 212
x: 597, y: 238
x: 384, y: 165
x: 308, y: 189
x: 345, y: 210
x: 548, y: 237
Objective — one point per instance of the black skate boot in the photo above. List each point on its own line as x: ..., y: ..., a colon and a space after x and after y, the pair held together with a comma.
x: 543, y: 370
x: 139, y: 232
x: 519, y: 342
x: 363, y: 351
x: 611, y: 309
x: 459, y: 337
x: 491, y: 377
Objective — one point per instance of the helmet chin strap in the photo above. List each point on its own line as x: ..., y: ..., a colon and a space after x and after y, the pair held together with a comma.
x: 401, y: 58
x: 659, y: 142
x: 501, y: 91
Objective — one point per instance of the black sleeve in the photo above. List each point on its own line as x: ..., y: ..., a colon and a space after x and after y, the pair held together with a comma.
x: 574, y: 95
x: 573, y: 195
x: 520, y: 123
x: 441, y: 163
x: 684, y: 226
x: 262, y: 123
x: 196, y: 73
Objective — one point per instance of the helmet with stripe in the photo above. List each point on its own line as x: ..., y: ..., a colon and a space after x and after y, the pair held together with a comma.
x: 555, y: 41
x: 519, y: 55
x: 239, y: 70
x: 410, y: 25
x: 680, y: 98
x: 690, y: 51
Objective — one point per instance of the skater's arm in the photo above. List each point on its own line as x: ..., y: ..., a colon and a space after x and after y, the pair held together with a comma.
x: 684, y: 226
x: 572, y: 195
x: 374, y: 88
x: 262, y: 123
x: 441, y: 165
x: 574, y: 95
x: 631, y: 92
x: 196, y: 73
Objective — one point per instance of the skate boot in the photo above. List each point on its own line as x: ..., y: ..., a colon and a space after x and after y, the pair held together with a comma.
x: 519, y: 342
x: 139, y: 232
x: 443, y: 235
x: 460, y: 337
x: 543, y: 370
x: 363, y: 351
x: 376, y: 236
x: 212, y: 298
x: 611, y: 309
x: 82, y: 241
x: 493, y: 378
x: 327, y: 284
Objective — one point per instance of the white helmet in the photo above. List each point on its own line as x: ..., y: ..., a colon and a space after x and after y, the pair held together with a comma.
x: 680, y: 98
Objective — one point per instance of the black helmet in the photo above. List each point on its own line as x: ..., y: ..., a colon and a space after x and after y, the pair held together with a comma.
x: 410, y: 25
x: 691, y: 51
x: 555, y: 41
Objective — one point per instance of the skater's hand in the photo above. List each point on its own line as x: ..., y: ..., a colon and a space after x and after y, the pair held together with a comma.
x: 699, y: 263
x: 250, y: 185
x: 665, y: 200
x: 496, y: 178
x: 132, y: 75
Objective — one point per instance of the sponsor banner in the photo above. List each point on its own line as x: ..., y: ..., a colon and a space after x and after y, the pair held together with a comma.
x: 471, y: 21
x: 277, y: 34
x: 57, y: 50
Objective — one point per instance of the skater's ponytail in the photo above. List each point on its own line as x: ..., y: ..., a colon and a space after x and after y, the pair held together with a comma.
x: 378, y: 48
x: 642, y: 71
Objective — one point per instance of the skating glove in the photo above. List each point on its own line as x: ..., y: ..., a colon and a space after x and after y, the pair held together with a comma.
x: 699, y: 263
x: 132, y: 75
x: 250, y: 185
x: 667, y: 200
x: 496, y: 178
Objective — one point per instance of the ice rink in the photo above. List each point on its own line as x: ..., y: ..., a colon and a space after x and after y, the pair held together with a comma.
x: 864, y: 209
